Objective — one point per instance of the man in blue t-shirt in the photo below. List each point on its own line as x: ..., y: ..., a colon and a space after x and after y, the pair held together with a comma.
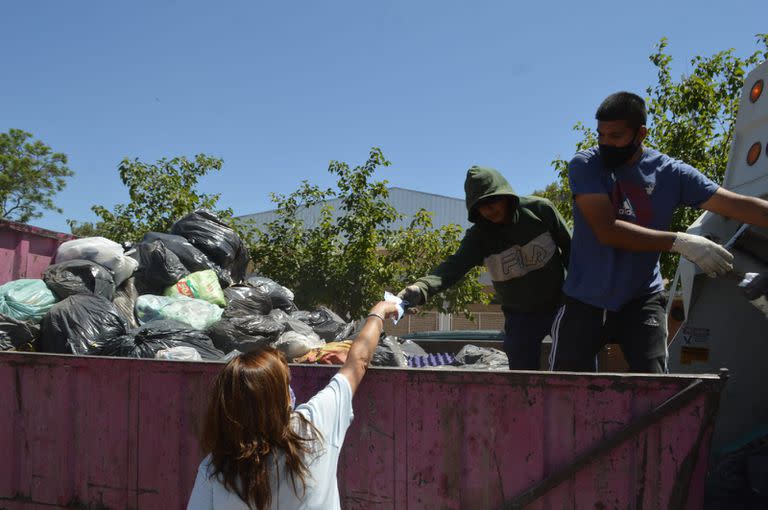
x: 624, y: 195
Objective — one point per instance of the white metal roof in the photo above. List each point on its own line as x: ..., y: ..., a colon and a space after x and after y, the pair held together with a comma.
x: 445, y: 210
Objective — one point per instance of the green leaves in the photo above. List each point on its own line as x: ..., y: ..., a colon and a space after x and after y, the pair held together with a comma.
x: 160, y: 193
x: 351, y: 254
x: 30, y: 176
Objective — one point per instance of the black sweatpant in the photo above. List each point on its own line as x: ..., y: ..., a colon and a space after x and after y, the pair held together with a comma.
x: 581, y: 330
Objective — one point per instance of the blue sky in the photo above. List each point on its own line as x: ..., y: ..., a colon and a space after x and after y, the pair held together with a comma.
x: 279, y: 89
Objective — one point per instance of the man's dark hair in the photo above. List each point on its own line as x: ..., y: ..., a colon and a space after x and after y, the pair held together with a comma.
x: 623, y: 106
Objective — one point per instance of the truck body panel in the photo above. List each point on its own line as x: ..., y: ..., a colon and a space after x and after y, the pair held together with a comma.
x: 92, y: 432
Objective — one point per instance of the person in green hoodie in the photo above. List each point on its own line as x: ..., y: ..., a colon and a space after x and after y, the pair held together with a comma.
x: 524, y: 244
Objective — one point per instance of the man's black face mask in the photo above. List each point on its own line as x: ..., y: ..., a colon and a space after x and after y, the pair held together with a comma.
x: 616, y: 156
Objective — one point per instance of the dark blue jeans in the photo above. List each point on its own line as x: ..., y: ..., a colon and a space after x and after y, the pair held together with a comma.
x: 523, y: 333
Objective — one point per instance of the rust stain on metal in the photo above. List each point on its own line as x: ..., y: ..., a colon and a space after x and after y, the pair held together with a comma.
x: 17, y: 376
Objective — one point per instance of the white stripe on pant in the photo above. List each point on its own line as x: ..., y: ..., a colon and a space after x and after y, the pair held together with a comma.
x: 554, y: 334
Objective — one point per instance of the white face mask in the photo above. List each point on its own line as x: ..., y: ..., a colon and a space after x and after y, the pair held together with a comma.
x: 293, y: 397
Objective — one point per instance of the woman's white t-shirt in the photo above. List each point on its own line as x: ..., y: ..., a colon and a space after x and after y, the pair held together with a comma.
x: 330, y: 411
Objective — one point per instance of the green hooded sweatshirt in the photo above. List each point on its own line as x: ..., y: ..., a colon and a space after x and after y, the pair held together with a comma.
x: 526, y: 256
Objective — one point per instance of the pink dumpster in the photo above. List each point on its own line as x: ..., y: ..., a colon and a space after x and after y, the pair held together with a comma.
x: 86, y: 432
x: 25, y: 251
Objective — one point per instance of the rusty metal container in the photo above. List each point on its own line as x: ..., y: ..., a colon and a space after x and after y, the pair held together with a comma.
x: 25, y: 251
x: 87, y: 432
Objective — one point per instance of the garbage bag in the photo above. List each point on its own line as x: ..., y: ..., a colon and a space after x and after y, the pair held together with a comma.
x: 411, y: 348
x: 244, y: 301
x: 231, y: 355
x: 245, y: 333
x: 389, y: 353
x: 196, y: 313
x: 125, y: 302
x: 159, y: 267
x: 297, y: 338
x: 216, y: 239
x: 102, y: 251
x: 152, y: 337
x: 18, y: 335
x: 472, y: 356
x: 280, y: 297
x: 200, y: 285
x: 295, y: 344
x: 280, y: 316
x: 180, y: 353
x: 26, y: 299
x: 192, y: 258
x: 79, y: 277
x: 329, y: 326
x: 80, y: 324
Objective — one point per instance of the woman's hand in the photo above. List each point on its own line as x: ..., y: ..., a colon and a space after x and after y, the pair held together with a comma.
x: 385, y: 309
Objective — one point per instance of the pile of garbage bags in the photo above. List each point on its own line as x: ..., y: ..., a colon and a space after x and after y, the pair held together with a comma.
x: 181, y: 295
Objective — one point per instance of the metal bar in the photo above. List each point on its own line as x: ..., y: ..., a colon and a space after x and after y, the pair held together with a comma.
x: 673, y: 403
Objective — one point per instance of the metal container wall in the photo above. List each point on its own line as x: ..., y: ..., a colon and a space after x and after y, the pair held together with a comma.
x: 86, y: 432
x: 26, y: 251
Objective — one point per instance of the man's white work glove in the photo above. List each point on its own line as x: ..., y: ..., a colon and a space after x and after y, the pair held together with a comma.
x: 712, y: 258
x: 412, y: 294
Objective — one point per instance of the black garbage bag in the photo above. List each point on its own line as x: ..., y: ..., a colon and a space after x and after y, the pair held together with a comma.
x: 192, y: 258
x: 291, y: 324
x: 79, y: 277
x: 245, y: 301
x: 159, y: 267
x: 125, y: 302
x: 18, y: 335
x: 231, y: 355
x: 280, y: 297
x: 411, y: 348
x: 216, y: 239
x: 389, y: 353
x: 472, y: 356
x: 80, y: 324
x: 245, y: 333
x: 279, y: 315
x: 329, y: 326
x: 145, y: 341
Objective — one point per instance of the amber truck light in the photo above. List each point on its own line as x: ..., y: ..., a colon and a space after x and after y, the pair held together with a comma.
x: 754, y: 153
x: 756, y: 90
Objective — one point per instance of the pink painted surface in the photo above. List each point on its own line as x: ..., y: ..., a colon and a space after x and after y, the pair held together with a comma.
x: 26, y: 251
x: 120, y: 433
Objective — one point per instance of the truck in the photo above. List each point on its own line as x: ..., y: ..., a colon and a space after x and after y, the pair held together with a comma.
x: 91, y: 432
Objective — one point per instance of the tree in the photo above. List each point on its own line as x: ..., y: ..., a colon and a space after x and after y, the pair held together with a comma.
x: 350, y: 256
x: 160, y: 193
x: 690, y: 119
x: 560, y: 197
x: 30, y: 175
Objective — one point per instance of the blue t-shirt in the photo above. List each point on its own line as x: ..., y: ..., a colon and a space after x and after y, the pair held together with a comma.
x: 646, y: 194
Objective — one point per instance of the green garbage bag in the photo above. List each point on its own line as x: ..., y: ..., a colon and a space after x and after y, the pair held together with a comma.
x: 196, y: 313
x: 26, y: 300
x: 199, y: 285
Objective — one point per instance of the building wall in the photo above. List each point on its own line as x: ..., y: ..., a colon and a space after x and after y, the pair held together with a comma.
x: 485, y: 317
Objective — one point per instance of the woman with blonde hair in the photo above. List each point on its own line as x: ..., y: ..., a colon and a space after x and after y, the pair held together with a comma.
x: 262, y: 454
